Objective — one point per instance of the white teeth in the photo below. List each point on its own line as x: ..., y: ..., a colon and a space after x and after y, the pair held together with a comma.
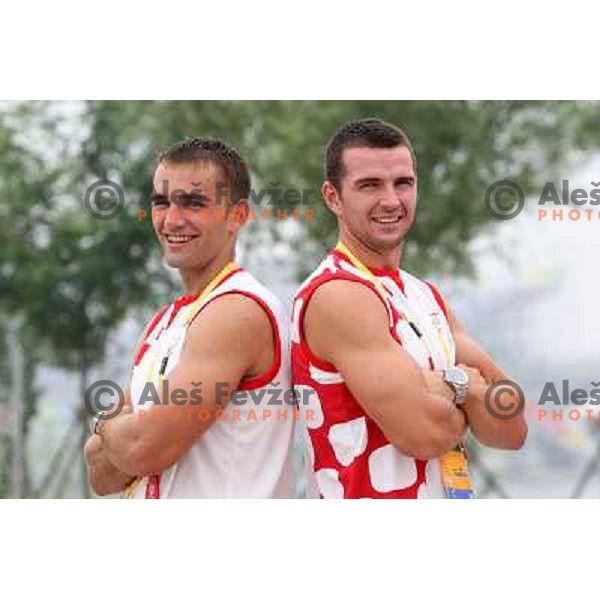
x: 179, y: 239
x: 387, y: 220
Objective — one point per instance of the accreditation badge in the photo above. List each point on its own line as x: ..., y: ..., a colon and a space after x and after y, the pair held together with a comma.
x: 455, y: 475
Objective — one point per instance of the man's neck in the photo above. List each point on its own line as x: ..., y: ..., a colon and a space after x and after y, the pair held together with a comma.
x: 195, y: 280
x: 384, y: 259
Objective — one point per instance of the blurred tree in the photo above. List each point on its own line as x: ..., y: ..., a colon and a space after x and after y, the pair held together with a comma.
x: 462, y: 147
x: 74, y: 278
x: 5, y: 425
x: 24, y: 183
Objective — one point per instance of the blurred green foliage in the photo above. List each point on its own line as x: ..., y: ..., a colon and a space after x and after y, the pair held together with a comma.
x: 74, y: 278
x: 462, y: 148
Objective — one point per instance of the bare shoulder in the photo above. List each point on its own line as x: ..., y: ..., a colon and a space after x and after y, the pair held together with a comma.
x: 345, y: 316
x: 231, y: 319
x: 344, y: 302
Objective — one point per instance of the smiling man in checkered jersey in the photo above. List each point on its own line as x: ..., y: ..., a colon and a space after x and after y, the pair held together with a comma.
x: 378, y: 349
x: 227, y: 332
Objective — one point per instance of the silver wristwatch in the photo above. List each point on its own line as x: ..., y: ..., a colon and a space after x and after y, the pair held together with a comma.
x: 96, y: 419
x: 458, y: 380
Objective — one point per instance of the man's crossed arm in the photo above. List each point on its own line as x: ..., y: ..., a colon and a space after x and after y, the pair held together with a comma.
x: 231, y: 339
x: 347, y: 325
x: 505, y: 434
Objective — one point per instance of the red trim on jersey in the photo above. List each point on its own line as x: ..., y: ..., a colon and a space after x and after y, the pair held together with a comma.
x: 144, y: 346
x: 438, y: 297
x: 153, y: 487
x: 391, y: 273
x: 395, y: 275
x: 187, y: 300
x: 382, y: 272
x: 264, y: 378
x: 155, y: 321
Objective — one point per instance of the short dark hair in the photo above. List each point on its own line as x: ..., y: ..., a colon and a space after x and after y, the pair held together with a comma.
x: 218, y: 152
x: 365, y: 133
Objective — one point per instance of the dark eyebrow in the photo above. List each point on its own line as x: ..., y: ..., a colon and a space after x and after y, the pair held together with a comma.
x: 191, y: 197
x: 154, y: 197
x: 410, y: 178
x: 367, y: 180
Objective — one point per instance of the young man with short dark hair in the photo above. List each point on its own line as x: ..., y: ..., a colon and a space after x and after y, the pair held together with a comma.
x: 395, y: 379
x: 225, y: 338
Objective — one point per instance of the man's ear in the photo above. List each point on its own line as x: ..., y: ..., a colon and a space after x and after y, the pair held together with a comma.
x: 238, y: 215
x: 331, y: 197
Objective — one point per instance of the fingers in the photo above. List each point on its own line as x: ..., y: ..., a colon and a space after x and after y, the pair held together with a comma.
x: 436, y: 384
x: 93, y: 445
x: 475, y: 376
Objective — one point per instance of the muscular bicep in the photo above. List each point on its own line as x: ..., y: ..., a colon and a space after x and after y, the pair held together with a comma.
x: 347, y: 325
x: 222, y: 345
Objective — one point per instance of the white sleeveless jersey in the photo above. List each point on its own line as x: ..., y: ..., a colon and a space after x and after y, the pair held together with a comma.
x: 243, y: 455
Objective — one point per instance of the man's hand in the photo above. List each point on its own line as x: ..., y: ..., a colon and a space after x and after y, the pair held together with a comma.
x: 230, y: 339
x: 509, y: 434
x: 417, y: 417
x: 477, y: 384
x: 437, y: 386
x: 104, y: 477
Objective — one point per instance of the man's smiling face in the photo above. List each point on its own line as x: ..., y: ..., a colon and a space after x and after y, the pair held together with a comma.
x: 377, y: 195
x: 190, y: 219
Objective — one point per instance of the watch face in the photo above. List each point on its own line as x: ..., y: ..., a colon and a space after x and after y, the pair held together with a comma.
x: 458, y: 376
